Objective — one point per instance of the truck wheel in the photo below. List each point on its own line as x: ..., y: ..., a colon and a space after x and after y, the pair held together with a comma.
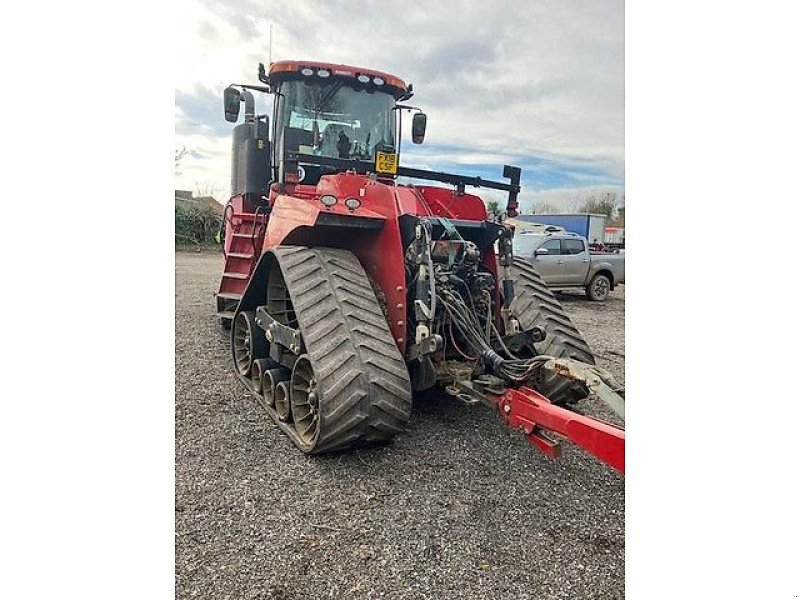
x: 535, y: 305
x: 599, y: 288
x: 352, y: 386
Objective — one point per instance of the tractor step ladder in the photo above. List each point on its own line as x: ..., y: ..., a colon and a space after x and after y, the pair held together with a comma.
x: 246, y: 231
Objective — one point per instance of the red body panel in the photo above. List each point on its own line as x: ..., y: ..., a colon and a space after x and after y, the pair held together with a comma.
x: 294, y: 215
x: 443, y: 202
x: 293, y: 219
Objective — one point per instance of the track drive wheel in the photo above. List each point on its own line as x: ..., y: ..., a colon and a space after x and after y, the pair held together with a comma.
x: 352, y: 385
x: 535, y: 304
x: 248, y: 342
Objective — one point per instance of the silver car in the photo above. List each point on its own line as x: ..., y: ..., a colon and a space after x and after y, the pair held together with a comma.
x: 564, y: 261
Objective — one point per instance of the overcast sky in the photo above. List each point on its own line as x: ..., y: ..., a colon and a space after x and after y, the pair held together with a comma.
x: 535, y: 84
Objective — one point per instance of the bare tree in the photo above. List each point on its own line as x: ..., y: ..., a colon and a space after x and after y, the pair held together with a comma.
x: 544, y: 208
x: 179, y: 154
x: 205, y: 188
x: 605, y: 204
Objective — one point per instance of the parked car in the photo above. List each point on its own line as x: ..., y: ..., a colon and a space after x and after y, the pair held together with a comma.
x: 564, y: 261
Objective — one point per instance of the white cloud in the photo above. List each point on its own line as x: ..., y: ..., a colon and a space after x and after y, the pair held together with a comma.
x: 517, y: 78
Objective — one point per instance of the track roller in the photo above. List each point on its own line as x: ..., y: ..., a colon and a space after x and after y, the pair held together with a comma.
x: 270, y: 380
x: 282, y: 401
x: 260, y: 366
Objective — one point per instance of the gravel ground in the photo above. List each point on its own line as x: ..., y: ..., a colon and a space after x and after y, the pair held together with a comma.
x: 457, y: 507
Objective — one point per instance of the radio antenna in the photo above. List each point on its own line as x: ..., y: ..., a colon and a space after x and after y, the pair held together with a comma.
x: 270, y: 44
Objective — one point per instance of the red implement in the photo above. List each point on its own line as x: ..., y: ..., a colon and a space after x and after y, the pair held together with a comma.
x: 528, y: 410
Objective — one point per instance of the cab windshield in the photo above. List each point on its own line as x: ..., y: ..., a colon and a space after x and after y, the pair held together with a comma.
x: 335, y: 119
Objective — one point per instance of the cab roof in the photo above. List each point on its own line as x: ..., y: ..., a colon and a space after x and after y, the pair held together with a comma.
x: 280, y: 70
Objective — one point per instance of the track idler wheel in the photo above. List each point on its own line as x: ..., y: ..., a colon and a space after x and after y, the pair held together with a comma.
x: 270, y: 380
x: 305, y: 401
x: 282, y: 401
x: 248, y: 342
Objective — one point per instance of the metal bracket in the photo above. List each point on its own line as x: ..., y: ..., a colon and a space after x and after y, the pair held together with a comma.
x: 475, y: 391
x: 465, y: 392
x: 517, y: 341
x: 426, y: 346
x: 422, y: 258
x: 506, y: 252
x: 279, y: 333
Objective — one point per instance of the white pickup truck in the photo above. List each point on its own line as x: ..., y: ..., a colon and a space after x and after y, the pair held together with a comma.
x: 564, y: 261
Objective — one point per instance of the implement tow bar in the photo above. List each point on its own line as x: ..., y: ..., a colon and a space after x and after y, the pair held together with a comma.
x: 528, y: 410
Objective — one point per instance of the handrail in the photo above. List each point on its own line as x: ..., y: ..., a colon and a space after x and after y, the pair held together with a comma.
x: 253, y: 236
x: 224, y: 230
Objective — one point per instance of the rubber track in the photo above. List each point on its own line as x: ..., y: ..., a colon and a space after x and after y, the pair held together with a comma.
x: 535, y: 304
x: 363, y: 379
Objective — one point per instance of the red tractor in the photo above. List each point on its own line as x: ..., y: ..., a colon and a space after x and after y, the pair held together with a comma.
x: 347, y: 291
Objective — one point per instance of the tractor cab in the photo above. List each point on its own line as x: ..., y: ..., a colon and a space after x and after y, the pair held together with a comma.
x: 325, y: 110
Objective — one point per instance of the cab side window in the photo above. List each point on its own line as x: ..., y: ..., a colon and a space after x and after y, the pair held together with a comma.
x: 553, y: 247
x: 573, y: 246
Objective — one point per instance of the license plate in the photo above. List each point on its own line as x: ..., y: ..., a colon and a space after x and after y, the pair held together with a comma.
x: 386, y: 162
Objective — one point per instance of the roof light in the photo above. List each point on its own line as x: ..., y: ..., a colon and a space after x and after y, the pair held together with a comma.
x: 307, y: 72
x: 280, y: 67
x: 378, y: 81
x: 323, y: 73
x: 352, y: 203
x: 328, y: 200
x: 363, y: 78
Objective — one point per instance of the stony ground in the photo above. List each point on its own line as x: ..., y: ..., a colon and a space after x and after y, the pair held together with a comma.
x: 457, y: 507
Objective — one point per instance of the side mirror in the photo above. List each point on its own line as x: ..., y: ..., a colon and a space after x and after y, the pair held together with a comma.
x: 418, y: 124
x: 541, y: 251
x: 232, y: 99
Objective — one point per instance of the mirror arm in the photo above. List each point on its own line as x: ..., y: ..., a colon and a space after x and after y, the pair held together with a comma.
x: 255, y: 88
x: 249, y: 107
